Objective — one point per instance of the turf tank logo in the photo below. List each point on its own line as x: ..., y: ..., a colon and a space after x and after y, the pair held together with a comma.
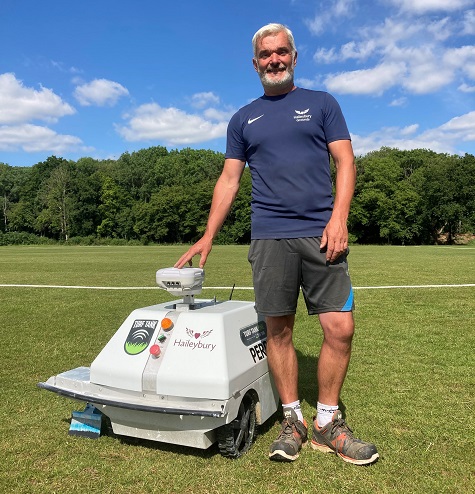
x: 139, y: 336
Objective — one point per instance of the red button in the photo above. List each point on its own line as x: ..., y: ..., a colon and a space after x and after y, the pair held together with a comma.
x: 155, y: 350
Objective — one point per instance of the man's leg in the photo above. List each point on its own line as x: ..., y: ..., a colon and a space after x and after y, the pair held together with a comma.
x: 281, y: 356
x: 283, y: 365
x: 338, y: 329
x: 335, y: 436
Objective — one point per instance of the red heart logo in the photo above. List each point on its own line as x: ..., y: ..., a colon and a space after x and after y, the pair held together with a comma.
x: 197, y: 335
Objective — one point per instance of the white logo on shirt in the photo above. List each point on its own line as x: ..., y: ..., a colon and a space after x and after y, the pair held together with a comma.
x: 254, y: 119
x: 302, y: 115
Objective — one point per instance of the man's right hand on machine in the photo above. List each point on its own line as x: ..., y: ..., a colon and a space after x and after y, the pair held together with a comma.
x: 202, y: 247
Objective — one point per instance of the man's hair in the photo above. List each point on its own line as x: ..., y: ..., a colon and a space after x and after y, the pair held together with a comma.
x: 270, y: 29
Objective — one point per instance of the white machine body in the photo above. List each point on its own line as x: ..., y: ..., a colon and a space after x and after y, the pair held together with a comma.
x: 176, y: 371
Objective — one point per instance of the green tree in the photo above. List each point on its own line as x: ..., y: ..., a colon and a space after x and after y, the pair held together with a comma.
x: 86, y: 188
x: 58, y: 202
x: 448, y: 196
x: 6, y: 187
x: 135, y: 172
x: 115, y: 210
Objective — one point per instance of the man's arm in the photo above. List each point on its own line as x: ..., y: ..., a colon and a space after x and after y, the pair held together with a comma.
x: 335, y: 235
x: 225, y: 192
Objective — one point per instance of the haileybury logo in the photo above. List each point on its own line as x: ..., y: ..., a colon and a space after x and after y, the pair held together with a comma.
x: 197, y: 344
x: 139, y: 336
x: 302, y: 115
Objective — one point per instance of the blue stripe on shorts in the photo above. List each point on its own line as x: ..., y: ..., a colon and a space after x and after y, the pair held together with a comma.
x: 349, y: 302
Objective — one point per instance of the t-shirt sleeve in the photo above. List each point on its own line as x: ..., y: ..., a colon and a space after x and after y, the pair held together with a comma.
x: 235, y: 147
x: 334, y: 122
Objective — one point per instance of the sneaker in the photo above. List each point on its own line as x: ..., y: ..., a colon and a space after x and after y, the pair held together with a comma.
x: 337, y: 437
x: 291, y: 438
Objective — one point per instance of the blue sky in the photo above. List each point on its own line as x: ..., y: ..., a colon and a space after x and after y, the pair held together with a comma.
x: 99, y: 77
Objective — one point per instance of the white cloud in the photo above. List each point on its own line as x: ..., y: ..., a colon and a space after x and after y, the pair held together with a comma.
x: 462, y: 58
x: 398, y: 101
x: 151, y: 122
x: 307, y: 83
x: 463, y: 126
x: 322, y: 55
x: 328, y: 15
x: 424, y: 46
x: 465, y: 88
x: 425, y: 6
x: 360, y: 51
x: 375, y: 41
x: 60, y: 66
x: 441, y: 29
x: 219, y: 115
x: 202, y: 100
x: 442, y: 139
x: 410, y: 129
x: 34, y: 138
x: 369, y: 81
x: 469, y: 23
x: 100, y: 92
x: 20, y: 104
x: 427, y: 77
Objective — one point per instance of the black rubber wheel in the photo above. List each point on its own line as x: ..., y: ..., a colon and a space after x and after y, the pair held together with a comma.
x: 235, y: 438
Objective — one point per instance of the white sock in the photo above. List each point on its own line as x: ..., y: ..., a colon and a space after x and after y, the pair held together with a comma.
x: 295, y: 405
x: 325, y: 413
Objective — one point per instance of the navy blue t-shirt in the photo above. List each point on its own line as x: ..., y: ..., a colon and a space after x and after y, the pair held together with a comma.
x: 284, y: 140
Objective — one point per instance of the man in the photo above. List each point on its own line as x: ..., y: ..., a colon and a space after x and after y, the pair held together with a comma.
x: 299, y: 236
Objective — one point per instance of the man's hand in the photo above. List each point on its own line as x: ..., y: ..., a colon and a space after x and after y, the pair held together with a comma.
x: 335, y: 235
x: 334, y: 239
x: 202, y: 247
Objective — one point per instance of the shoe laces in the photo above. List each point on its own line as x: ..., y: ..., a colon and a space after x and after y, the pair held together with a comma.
x: 287, y: 428
x: 340, y: 424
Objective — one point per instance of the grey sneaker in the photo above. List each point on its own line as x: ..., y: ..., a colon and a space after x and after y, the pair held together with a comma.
x: 336, y: 437
x: 291, y: 438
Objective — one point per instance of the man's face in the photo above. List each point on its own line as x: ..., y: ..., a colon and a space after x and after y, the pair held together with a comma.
x: 275, y: 64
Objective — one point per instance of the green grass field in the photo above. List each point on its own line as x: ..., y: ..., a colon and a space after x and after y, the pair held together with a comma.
x: 410, y: 387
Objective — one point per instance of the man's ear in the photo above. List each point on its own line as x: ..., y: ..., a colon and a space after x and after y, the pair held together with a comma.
x: 295, y: 59
x: 254, y: 63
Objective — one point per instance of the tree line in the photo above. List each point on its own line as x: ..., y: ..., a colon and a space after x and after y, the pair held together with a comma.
x: 159, y: 196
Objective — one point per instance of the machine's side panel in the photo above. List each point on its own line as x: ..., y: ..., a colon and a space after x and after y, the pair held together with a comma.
x: 246, y: 351
x: 194, y: 363
x: 121, y: 362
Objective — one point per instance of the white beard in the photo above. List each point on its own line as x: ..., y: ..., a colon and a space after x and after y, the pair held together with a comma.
x: 268, y: 82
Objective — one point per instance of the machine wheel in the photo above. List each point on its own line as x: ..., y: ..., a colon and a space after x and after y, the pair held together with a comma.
x: 235, y: 438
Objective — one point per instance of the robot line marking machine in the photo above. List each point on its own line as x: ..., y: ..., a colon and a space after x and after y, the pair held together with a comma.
x: 188, y: 372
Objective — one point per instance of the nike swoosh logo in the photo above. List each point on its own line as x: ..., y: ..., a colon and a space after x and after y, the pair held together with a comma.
x: 254, y: 119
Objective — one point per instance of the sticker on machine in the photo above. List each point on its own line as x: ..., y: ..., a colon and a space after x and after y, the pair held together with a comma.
x: 194, y: 342
x: 254, y: 337
x: 254, y: 333
x: 139, y: 336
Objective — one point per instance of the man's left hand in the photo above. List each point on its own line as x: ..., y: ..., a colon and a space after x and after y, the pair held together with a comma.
x: 334, y: 239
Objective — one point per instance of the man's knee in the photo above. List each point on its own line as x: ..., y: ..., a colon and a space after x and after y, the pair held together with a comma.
x: 338, y: 326
x: 280, y: 328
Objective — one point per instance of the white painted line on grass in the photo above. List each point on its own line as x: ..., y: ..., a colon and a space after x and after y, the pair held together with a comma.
x: 87, y: 287
x: 77, y: 287
x: 389, y: 287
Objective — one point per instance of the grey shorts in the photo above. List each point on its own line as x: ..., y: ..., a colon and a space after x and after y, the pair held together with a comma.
x: 281, y: 266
